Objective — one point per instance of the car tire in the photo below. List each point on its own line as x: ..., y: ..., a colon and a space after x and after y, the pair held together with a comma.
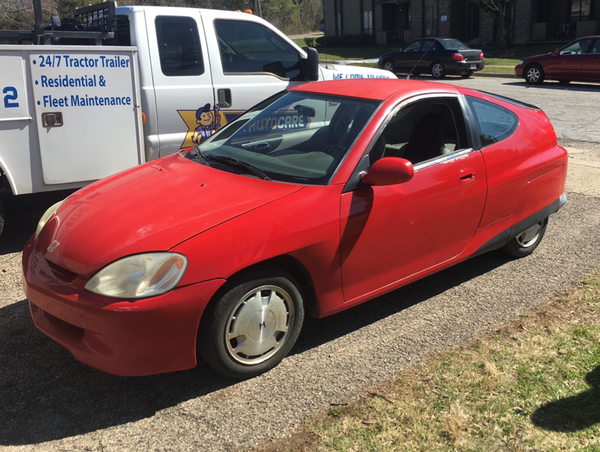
x: 466, y: 74
x: 437, y: 70
x: 527, y: 241
x: 534, y: 74
x: 253, y: 325
x: 2, y: 216
x: 388, y: 65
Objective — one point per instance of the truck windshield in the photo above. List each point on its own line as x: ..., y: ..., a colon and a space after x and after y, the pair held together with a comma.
x: 294, y: 137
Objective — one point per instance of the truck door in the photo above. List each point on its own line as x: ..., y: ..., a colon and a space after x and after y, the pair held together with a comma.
x: 185, y: 110
x: 250, y: 61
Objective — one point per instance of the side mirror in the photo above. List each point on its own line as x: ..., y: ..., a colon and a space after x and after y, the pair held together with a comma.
x: 555, y: 52
x: 310, y: 65
x: 389, y: 171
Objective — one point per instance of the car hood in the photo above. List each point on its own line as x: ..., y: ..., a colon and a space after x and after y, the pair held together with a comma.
x: 541, y: 56
x: 153, y: 207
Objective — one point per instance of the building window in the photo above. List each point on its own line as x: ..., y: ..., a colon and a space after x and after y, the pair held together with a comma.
x: 581, y: 9
x: 338, y: 18
x: 430, y: 17
x: 368, y: 22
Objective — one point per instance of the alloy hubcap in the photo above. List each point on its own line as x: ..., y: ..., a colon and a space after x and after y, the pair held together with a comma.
x: 528, y: 237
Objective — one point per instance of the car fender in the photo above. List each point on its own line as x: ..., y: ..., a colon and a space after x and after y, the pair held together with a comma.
x: 307, y: 229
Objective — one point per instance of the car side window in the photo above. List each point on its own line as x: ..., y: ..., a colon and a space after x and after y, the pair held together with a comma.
x: 414, y: 47
x: 595, y: 47
x: 493, y: 122
x: 179, y: 46
x: 424, y: 130
x: 576, y: 48
x: 248, y: 47
x: 428, y: 46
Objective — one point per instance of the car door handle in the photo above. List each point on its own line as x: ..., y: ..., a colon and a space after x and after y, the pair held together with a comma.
x: 466, y: 175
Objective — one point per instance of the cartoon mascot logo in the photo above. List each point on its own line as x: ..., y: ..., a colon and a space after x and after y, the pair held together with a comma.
x: 205, y: 121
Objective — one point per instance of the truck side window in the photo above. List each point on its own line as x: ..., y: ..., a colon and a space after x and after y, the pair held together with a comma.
x: 248, y: 47
x: 179, y: 46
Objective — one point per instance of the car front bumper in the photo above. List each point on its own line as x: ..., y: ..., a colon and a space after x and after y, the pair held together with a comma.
x: 126, y: 338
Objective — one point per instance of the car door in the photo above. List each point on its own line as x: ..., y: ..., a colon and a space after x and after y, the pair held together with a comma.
x: 390, y: 233
x: 431, y: 50
x: 407, y: 59
x: 591, y: 62
x: 568, y: 63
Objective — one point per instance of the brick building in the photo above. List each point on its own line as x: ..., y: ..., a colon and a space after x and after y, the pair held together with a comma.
x: 398, y: 21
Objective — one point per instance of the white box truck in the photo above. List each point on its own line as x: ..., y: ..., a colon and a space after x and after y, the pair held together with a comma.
x: 164, y: 78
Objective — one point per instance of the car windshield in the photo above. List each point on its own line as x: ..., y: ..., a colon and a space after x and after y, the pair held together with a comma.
x: 453, y: 44
x: 292, y: 137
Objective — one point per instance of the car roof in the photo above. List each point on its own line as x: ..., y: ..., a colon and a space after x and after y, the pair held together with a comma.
x: 375, y: 89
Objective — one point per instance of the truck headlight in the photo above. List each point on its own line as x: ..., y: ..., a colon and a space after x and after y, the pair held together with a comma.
x: 139, y: 276
x: 47, y: 215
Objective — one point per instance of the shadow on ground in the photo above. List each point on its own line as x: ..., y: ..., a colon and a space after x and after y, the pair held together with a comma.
x: 22, y: 215
x: 572, y: 414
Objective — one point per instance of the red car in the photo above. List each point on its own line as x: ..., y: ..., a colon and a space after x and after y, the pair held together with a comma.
x: 320, y: 198
x: 577, y: 61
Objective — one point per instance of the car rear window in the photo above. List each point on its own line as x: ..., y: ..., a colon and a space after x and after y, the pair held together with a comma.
x: 494, y: 123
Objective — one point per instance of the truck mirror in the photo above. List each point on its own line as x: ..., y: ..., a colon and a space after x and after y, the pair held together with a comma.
x: 310, y: 65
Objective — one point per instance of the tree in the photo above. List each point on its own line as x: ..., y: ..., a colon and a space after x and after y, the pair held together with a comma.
x: 500, y: 10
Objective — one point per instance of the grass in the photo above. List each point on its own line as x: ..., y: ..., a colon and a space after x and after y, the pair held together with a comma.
x: 532, y: 386
x: 496, y: 60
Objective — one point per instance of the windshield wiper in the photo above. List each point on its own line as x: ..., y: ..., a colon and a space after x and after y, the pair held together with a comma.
x: 231, y: 161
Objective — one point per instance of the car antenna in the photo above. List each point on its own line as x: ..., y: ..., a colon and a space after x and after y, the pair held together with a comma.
x: 422, y: 56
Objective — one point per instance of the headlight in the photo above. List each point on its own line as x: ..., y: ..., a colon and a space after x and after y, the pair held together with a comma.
x: 47, y: 214
x: 139, y: 276
x: 520, y: 63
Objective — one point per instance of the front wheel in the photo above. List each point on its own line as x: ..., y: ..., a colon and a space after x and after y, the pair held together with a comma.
x: 253, y: 326
x: 388, y: 65
x: 534, y: 74
x: 437, y: 70
x: 527, y: 241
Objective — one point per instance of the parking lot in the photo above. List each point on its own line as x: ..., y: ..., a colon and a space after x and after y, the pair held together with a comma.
x: 50, y: 402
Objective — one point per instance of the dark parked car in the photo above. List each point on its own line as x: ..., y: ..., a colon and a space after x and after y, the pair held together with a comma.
x: 437, y: 56
x: 577, y: 61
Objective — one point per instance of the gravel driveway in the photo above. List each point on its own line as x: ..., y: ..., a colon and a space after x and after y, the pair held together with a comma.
x: 49, y: 402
